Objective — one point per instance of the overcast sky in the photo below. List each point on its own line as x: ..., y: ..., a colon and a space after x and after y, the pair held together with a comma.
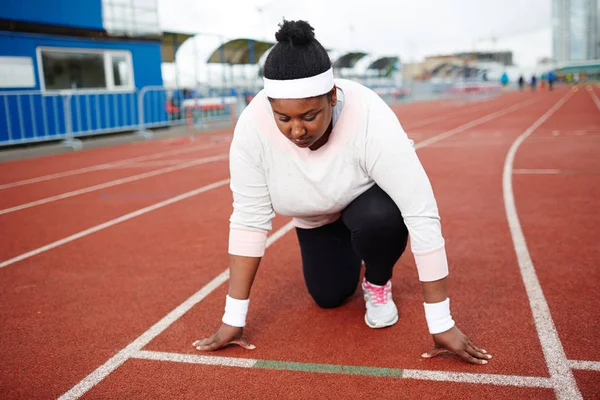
x: 411, y: 29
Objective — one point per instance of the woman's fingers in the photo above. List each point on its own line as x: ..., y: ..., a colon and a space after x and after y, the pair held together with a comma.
x: 211, y: 343
x: 244, y: 343
x: 434, y: 352
x: 470, y: 359
x: 476, y: 347
x: 214, y: 342
x: 203, y: 342
x: 477, y: 354
x: 209, y: 347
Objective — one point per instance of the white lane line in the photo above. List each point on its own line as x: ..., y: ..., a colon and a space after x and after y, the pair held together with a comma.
x: 555, y: 171
x: 443, y: 376
x: 556, y: 360
x: 194, y: 359
x: 134, y: 347
x: 454, y: 113
x: 474, y: 123
x: 112, y: 164
x: 596, y: 100
x: 116, y: 182
x: 585, y: 365
x: 151, y: 164
x: 538, y: 171
x: 490, y: 379
x: 113, y: 222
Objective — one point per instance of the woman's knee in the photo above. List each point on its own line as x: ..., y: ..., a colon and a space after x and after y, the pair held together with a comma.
x: 374, y: 213
x: 383, y: 220
x: 325, y: 300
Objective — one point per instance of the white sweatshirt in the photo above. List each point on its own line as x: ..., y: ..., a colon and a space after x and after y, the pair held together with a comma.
x: 367, y: 146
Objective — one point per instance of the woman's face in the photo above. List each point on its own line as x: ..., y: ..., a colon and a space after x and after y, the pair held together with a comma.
x: 304, y: 121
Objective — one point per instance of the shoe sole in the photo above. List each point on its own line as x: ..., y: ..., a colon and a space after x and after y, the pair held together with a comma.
x: 381, y: 325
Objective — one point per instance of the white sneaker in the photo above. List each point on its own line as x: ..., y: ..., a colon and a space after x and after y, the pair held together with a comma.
x: 381, y: 310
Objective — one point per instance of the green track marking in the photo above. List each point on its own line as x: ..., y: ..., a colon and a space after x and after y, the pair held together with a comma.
x: 329, y: 368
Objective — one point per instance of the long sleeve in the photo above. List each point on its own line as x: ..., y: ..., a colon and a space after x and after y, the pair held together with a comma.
x: 392, y: 163
x: 252, y: 214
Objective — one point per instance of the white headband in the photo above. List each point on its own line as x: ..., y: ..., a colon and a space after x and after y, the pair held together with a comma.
x: 299, y: 88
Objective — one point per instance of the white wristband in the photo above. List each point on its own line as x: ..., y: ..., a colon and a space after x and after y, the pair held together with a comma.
x: 235, y: 311
x: 438, y: 316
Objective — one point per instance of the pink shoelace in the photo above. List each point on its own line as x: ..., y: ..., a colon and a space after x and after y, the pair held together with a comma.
x: 378, y: 294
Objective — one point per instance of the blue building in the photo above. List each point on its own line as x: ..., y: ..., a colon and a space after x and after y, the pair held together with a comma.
x: 70, y: 68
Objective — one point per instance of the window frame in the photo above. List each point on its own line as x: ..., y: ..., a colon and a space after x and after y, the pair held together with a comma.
x: 107, y: 55
x: 120, y: 23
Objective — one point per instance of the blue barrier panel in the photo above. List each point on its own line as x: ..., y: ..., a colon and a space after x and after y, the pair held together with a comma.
x: 29, y: 116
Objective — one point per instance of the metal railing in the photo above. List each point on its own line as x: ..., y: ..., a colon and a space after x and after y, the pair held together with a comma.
x: 29, y: 116
x: 188, y: 109
x: 34, y: 116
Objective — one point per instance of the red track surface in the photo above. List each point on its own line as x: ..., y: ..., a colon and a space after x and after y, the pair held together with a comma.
x: 68, y: 310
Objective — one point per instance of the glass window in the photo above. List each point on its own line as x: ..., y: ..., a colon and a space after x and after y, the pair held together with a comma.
x: 577, y: 34
x: 67, y: 70
x: 120, y: 67
x: 143, y: 17
x: 131, y: 17
x: 150, y: 4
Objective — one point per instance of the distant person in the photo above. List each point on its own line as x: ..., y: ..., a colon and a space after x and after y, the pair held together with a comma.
x: 332, y: 154
x: 533, y: 82
x: 521, y: 82
x: 504, y: 79
x: 551, y: 79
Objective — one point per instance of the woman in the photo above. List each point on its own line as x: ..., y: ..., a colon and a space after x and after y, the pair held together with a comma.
x: 332, y: 155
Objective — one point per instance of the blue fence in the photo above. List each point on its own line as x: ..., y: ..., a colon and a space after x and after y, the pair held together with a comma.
x: 33, y: 116
x: 98, y: 113
x: 30, y: 116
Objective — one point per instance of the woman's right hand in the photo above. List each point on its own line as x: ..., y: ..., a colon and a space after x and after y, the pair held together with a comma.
x: 226, y: 334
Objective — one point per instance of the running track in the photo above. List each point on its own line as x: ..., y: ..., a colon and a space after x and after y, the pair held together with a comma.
x: 113, y: 261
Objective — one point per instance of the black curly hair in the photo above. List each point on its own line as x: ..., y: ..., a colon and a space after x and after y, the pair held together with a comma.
x: 297, y: 53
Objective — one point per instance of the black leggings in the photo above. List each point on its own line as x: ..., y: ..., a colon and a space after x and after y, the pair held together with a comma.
x: 371, y: 229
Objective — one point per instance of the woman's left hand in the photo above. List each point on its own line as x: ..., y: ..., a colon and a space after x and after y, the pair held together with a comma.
x: 456, y: 342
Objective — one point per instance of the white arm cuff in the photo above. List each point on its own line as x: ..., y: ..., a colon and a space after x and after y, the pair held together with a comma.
x: 438, y: 316
x: 235, y: 312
